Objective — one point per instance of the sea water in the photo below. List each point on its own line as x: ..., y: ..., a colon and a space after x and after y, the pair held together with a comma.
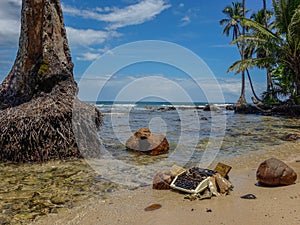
x: 196, y: 137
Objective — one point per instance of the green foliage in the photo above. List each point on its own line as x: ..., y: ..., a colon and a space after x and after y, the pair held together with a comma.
x: 284, y: 81
x: 277, y: 48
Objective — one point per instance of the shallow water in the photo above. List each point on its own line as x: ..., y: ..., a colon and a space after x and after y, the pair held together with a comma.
x: 193, y: 142
x: 29, y: 191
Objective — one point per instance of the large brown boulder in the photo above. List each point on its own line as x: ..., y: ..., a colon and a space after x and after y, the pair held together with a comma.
x: 145, y: 141
x: 273, y: 172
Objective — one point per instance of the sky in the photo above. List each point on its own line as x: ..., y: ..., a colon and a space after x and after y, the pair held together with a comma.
x: 99, y: 31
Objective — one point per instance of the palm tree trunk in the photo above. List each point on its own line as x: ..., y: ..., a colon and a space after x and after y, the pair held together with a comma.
x: 269, y: 78
x: 297, y: 71
x: 265, y: 12
x: 251, y: 85
x: 242, y: 99
x: 248, y: 74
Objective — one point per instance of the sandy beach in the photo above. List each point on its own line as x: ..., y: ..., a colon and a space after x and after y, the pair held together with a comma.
x: 277, y: 205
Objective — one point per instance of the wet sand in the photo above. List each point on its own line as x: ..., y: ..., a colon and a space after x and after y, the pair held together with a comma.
x: 277, y: 205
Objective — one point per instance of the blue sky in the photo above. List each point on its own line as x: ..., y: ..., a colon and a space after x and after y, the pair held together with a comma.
x: 96, y: 27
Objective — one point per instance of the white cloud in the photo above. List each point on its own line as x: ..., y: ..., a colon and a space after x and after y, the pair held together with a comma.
x: 185, y: 21
x: 80, y: 37
x: 138, y: 13
x: 10, y: 22
x: 158, y: 85
x: 181, y: 5
x: 88, y: 56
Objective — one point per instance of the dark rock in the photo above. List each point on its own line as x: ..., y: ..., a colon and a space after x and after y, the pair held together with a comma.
x: 249, y: 196
x: 162, y: 180
x: 249, y: 109
x: 171, y: 108
x: 144, y: 141
x: 286, y: 110
x: 292, y: 137
x: 229, y: 107
x: 274, y: 172
x: 211, y: 107
x: 203, y: 118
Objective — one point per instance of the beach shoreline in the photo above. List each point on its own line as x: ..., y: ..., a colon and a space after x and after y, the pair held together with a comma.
x: 277, y: 205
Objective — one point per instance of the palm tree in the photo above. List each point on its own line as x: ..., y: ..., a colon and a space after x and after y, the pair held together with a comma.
x: 269, y: 78
x: 232, y: 21
x: 263, y: 17
x: 234, y: 13
x: 242, y: 99
x: 282, y: 44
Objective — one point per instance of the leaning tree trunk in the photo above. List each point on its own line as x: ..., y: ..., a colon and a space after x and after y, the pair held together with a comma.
x: 242, y: 99
x: 38, y: 96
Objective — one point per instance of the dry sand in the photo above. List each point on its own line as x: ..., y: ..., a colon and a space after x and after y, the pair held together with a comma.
x: 276, y: 206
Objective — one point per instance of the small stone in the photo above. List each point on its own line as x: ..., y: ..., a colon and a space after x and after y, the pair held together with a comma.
x: 274, y: 172
x: 153, y: 207
x: 248, y: 196
x: 58, y: 200
x: 208, y: 210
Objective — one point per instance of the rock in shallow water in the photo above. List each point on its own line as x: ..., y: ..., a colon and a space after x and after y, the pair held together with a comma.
x: 145, y: 141
x: 273, y: 172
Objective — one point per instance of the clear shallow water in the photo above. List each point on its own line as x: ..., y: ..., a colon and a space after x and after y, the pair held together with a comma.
x: 193, y: 140
x: 30, y: 191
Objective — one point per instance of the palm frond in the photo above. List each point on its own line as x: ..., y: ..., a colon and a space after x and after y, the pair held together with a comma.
x: 260, y: 29
x: 250, y: 63
x: 294, y: 27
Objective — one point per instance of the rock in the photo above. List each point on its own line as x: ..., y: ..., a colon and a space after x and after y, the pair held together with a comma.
x: 211, y: 107
x: 203, y: 118
x: 162, y: 180
x: 292, y: 137
x: 274, y: 172
x: 248, y: 196
x: 229, y: 107
x: 171, y: 108
x: 153, y: 207
x: 148, y: 107
x: 224, y: 185
x: 144, y: 141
